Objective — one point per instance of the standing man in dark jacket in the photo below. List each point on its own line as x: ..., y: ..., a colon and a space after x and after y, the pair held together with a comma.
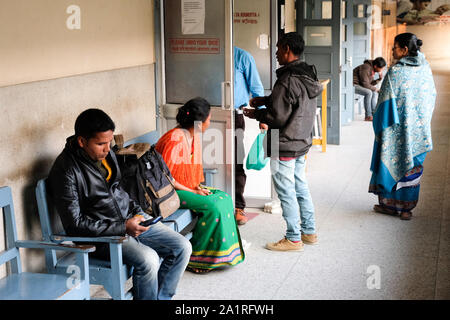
x: 290, y: 112
x: 365, y: 85
x: 84, y: 185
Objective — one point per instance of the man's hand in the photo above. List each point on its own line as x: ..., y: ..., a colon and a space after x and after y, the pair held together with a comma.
x: 132, y: 226
x: 250, y: 113
x: 263, y: 126
x: 257, y: 102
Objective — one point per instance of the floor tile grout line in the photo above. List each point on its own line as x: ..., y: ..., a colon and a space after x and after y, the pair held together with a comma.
x: 286, y: 276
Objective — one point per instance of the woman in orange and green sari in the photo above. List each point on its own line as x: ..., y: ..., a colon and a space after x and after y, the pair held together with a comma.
x: 216, y: 240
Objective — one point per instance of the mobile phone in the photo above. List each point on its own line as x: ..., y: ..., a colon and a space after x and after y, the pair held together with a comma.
x: 149, y: 222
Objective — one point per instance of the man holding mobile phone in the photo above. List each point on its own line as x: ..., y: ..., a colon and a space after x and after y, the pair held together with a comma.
x: 84, y: 186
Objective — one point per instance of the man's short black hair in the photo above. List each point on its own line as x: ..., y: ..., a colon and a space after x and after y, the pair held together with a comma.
x: 379, y: 62
x: 294, y: 41
x: 92, y: 121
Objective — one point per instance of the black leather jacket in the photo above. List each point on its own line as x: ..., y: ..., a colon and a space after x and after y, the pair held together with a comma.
x: 87, y: 204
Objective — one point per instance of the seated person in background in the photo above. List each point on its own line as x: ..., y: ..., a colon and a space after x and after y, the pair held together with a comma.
x: 363, y: 80
x: 84, y: 183
x: 216, y: 240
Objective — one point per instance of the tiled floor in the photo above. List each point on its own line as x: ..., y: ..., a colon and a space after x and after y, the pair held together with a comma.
x: 412, y: 258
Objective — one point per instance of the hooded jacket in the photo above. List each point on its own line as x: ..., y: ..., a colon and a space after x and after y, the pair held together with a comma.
x: 291, y: 109
x: 88, y: 205
x: 363, y: 75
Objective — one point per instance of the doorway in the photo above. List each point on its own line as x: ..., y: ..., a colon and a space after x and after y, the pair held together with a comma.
x: 197, y: 57
x: 254, y: 32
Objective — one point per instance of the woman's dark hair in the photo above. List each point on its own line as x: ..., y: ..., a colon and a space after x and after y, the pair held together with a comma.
x: 92, y: 121
x: 294, y: 41
x: 196, y: 109
x: 410, y: 41
x: 379, y: 62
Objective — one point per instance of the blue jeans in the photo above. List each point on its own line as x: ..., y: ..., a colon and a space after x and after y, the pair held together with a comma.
x: 152, y: 281
x: 292, y: 188
x: 370, y: 99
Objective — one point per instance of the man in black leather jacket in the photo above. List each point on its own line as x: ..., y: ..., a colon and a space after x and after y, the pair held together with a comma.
x: 290, y: 112
x: 84, y: 185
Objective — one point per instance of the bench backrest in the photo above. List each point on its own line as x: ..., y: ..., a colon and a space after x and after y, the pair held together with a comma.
x: 50, y: 221
x: 149, y: 137
x: 49, y: 217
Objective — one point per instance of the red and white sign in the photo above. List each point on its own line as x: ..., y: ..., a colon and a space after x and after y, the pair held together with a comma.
x: 193, y: 45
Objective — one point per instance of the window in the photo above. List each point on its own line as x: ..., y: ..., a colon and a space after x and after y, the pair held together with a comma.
x: 318, y: 36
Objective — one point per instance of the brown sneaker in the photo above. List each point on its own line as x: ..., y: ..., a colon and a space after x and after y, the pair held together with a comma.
x: 369, y: 118
x: 285, y: 245
x: 240, y: 216
x: 309, y: 238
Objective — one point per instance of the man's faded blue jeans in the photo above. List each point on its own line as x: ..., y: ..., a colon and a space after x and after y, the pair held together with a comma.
x: 290, y: 183
x: 152, y: 279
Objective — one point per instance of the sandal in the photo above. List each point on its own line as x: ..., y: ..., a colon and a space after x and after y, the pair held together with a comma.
x: 380, y: 209
x: 406, y: 215
x: 198, y: 270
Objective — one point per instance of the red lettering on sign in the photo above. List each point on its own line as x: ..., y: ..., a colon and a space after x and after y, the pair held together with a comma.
x: 246, y: 14
x: 247, y: 17
x: 250, y: 21
x: 200, y: 46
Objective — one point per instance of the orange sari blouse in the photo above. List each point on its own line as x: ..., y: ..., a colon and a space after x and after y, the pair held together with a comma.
x: 184, y: 161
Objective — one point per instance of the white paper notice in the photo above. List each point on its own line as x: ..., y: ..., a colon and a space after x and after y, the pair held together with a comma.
x: 193, y: 16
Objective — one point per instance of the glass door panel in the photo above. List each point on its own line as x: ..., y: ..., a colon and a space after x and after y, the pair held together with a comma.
x: 198, y: 61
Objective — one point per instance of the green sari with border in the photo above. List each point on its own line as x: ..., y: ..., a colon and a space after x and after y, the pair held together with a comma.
x: 216, y: 241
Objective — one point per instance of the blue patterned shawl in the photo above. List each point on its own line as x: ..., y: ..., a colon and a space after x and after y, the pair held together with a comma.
x: 401, y: 122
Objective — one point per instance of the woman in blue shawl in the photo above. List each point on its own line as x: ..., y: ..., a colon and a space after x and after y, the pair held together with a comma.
x: 402, y: 129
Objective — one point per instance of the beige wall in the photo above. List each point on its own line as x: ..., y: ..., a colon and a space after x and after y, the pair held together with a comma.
x: 48, y: 75
x: 35, y: 43
x: 434, y: 47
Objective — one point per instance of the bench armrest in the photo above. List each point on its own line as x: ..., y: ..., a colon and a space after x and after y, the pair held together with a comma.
x: 49, y: 245
x: 112, y: 239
